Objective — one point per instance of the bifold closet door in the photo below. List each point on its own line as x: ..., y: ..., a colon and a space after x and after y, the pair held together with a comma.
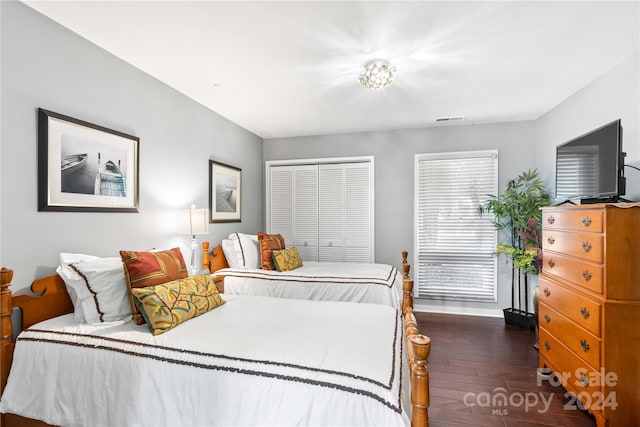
x: 294, y: 207
x: 345, y: 212
x: 325, y: 210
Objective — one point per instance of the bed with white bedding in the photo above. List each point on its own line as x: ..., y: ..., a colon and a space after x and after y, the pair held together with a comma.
x: 251, y: 361
x: 323, y: 281
x: 216, y: 375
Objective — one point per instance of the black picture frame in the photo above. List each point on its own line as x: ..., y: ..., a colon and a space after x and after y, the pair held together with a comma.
x: 84, y: 167
x: 225, y: 193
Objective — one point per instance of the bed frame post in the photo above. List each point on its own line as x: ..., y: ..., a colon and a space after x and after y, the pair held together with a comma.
x: 205, y: 256
x: 405, y: 265
x: 418, y: 348
x: 6, y: 331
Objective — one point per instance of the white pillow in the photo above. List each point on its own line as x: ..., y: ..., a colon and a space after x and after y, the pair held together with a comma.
x: 229, y: 253
x: 101, y: 290
x: 68, y: 275
x: 247, y: 250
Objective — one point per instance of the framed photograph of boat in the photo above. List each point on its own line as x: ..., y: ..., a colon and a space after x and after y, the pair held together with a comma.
x: 83, y: 167
x: 225, y: 192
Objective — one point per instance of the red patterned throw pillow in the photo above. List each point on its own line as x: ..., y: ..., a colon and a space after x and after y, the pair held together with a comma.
x: 144, y: 269
x: 269, y: 243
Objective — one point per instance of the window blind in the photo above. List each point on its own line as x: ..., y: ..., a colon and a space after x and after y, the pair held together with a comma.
x: 455, y: 245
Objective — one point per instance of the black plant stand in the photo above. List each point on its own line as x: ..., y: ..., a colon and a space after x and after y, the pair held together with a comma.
x: 516, y: 316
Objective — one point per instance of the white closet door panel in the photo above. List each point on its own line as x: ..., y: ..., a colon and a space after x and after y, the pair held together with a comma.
x: 357, y: 254
x: 281, y: 201
x: 305, y: 222
x: 331, y: 212
x: 331, y: 202
x: 331, y: 254
x: 358, y: 205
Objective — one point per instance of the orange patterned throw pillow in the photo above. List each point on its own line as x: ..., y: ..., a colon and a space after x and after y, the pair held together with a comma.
x: 167, y: 305
x: 287, y: 259
x: 149, y: 269
x: 269, y: 243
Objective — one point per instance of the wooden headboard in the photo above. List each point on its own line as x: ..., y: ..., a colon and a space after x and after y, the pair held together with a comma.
x: 214, y: 260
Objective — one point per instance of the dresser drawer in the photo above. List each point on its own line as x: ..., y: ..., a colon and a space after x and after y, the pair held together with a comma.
x: 570, y: 219
x: 578, y: 339
x: 582, y: 273
x: 585, y: 312
x: 587, y: 246
x: 577, y: 377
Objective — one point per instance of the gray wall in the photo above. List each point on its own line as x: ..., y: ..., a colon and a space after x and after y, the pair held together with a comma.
x: 615, y: 95
x: 394, y: 157
x: 45, y: 65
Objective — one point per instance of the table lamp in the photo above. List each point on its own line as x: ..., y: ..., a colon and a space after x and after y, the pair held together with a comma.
x: 194, y: 221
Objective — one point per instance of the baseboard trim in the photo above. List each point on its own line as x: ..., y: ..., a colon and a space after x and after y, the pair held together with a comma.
x: 463, y: 311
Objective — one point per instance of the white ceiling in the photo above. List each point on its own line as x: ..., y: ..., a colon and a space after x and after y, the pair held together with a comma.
x: 291, y: 68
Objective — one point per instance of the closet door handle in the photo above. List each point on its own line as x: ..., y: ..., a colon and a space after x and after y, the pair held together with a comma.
x: 586, y: 221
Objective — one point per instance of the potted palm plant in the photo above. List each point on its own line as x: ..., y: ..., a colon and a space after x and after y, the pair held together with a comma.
x: 516, y: 215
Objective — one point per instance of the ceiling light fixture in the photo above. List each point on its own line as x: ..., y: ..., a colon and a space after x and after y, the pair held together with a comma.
x: 377, y: 74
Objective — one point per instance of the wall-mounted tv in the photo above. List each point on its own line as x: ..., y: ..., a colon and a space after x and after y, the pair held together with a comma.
x: 590, y: 168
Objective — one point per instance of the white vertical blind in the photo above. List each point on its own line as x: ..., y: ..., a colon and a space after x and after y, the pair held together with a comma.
x: 455, y: 245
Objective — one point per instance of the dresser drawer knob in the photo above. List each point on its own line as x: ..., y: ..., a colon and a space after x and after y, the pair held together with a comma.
x: 547, y: 318
x: 584, y: 379
x: 547, y: 292
x: 551, y: 240
x: 551, y: 263
x: 547, y: 346
x: 585, y: 345
x: 586, y: 246
x: 586, y: 275
x: 551, y: 219
x: 586, y: 221
x: 585, y: 313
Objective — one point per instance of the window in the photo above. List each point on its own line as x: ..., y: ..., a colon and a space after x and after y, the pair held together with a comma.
x: 455, y: 245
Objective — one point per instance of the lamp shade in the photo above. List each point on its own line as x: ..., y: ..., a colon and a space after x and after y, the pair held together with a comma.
x: 194, y: 221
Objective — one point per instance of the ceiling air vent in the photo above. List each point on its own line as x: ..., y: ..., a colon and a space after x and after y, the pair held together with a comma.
x: 449, y: 119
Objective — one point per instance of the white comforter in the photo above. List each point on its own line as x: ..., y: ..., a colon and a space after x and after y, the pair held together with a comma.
x: 323, y: 281
x: 252, y: 361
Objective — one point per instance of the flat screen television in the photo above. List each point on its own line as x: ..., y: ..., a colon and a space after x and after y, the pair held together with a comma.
x: 590, y: 168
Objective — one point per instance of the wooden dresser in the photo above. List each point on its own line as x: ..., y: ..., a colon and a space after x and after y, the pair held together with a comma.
x: 589, y: 307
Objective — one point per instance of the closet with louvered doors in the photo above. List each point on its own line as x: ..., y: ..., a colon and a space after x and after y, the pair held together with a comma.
x: 323, y: 208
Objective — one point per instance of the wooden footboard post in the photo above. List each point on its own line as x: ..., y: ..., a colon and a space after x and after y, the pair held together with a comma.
x: 6, y: 332
x: 418, y: 348
x: 205, y: 255
x: 405, y: 265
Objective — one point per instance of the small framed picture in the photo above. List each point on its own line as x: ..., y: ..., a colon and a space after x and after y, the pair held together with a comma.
x: 84, y: 167
x: 225, y: 192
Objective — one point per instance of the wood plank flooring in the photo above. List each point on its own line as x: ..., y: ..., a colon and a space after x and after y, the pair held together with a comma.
x: 476, y: 359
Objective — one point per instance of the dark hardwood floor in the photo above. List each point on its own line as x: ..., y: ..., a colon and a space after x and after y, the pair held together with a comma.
x: 476, y: 360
